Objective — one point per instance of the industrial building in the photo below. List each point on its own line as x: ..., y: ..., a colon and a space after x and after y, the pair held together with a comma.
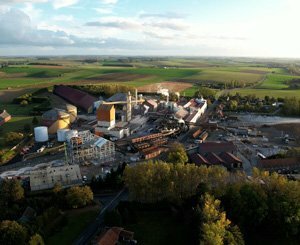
x: 78, y: 98
x: 4, y: 117
x: 55, y: 120
x: 46, y: 177
x: 89, y: 147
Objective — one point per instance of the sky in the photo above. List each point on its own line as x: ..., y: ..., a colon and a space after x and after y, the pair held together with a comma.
x: 244, y: 28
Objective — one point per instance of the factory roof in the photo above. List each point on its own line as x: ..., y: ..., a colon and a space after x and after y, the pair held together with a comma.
x: 151, y: 102
x: 75, y: 96
x: 182, y: 113
x: 229, y: 157
x: 192, y: 116
x: 214, y: 158
x: 118, y: 97
x: 100, y: 142
x: 199, y: 160
x: 217, y: 147
x: 55, y: 114
x: 104, y: 107
x: 270, y: 164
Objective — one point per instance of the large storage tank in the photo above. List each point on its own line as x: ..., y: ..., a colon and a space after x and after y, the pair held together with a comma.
x: 41, y: 134
x: 62, y: 135
x: 70, y: 134
x: 56, y: 119
x: 72, y: 110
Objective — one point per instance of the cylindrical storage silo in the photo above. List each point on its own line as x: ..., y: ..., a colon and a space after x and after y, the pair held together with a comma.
x: 41, y: 134
x: 70, y: 134
x: 61, y: 135
x: 72, y: 110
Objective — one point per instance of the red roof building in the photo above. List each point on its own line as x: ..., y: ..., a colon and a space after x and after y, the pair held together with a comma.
x: 78, y: 98
x: 217, y: 147
x: 4, y: 117
x: 231, y: 161
x: 280, y: 164
x: 199, y: 160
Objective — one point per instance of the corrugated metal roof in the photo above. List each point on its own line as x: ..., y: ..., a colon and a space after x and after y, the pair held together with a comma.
x: 75, y: 96
x: 100, y: 142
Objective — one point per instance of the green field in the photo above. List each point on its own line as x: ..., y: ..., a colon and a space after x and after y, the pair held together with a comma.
x: 273, y: 81
x: 258, y: 76
x: 270, y: 92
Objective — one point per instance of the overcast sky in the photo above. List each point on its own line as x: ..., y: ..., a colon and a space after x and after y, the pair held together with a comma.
x: 262, y: 28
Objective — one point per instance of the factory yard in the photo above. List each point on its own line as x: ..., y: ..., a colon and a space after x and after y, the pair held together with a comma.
x: 100, y: 128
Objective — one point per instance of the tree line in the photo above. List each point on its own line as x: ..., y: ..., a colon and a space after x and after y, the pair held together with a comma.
x: 236, y: 206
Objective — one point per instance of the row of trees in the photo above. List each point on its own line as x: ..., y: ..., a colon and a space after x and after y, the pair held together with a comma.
x: 105, y: 89
x: 264, y: 204
x: 291, y: 106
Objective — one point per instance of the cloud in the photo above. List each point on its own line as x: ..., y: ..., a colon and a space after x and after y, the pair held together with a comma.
x: 168, y: 25
x: 64, y: 3
x: 109, y: 1
x: 104, y: 10
x: 118, y: 23
x: 64, y: 18
x: 167, y: 15
x: 29, y: 36
x: 21, y: 1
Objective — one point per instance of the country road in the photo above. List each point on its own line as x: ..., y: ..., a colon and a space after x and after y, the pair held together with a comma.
x: 97, y: 225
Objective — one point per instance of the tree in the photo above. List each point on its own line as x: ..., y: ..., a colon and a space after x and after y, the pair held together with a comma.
x: 205, y: 93
x: 13, y: 138
x: 27, y: 127
x: 233, y: 105
x: 11, y: 191
x: 12, y: 233
x: 79, y: 196
x: 177, y: 154
x: 24, y: 103
x: 36, y: 240
x: 113, y: 218
x: 216, y: 229
x: 35, y: 121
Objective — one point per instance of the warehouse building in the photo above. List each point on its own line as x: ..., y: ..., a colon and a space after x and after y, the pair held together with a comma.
x: 46, y: 177
x: 76, y: 97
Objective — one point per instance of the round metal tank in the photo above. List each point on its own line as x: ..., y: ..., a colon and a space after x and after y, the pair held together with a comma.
x: 61, y: 135
x: 41, y: 134
x: 72, y: 110
x: 71, y: 134
x: 56, y: 119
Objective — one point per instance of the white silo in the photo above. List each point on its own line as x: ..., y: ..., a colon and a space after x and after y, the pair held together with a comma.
x: 41, y: 134
x: 70, y: 134
x: 61, y: 135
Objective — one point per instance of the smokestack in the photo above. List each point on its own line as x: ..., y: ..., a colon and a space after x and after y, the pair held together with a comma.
x: 136, y: 96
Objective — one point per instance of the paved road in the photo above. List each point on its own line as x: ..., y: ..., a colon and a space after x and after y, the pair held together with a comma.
x: 97, y: 225
x: 32, y: 162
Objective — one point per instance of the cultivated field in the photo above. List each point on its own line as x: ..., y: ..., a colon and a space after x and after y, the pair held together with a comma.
x: 261, y: 77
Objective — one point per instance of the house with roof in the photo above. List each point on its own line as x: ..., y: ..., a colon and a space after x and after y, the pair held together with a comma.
x: 115, y: 235
x: 4, y: 117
